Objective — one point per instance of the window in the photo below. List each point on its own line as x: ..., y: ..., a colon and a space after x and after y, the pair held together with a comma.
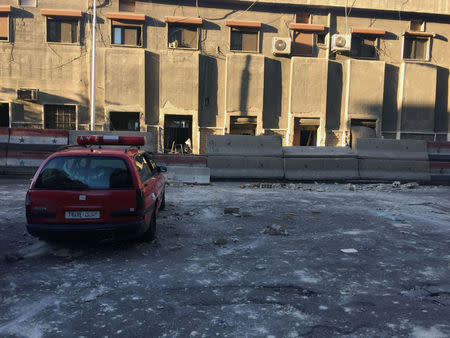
x: 417, y: 25
x: 243, y: 125
x: 60, y: 116
x: 121, y: 120
x: 4, y: 115
x: 27, y: 3
x: 127, y: 5
x: 244, y: 35
x: 305, y: 131
x: 183, y: 36
x: 60, y: 29
x: 303, y: 18
x: 144, y: 170
x: 4, y: 22
x: 126, y: 33
x: 304, y: 37
x: 364, y: 46
x: 417, y: 47
x: 243, y: 39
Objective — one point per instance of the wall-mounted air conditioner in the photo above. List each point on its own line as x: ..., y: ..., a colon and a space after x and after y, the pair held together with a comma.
x: 281, y: 46
x: 341, y: 42
x: 28, y: 94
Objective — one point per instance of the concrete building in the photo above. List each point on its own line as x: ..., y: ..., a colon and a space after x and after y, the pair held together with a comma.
x: 316, y: 72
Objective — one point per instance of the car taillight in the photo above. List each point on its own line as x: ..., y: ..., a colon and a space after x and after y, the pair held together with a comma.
x: 28, y: 199
x: 140, y: 201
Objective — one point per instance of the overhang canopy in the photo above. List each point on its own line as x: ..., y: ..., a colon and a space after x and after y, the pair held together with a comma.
x: 238, y: 23
x: 307, y: 27
x: 369, y: 31
x: 126, y: 16
x: 59, y: 12
x: 419, y: 34
x: 183, y: 20
x: 5, y: 9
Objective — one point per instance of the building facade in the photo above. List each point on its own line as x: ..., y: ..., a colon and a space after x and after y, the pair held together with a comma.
x: 316, y: 72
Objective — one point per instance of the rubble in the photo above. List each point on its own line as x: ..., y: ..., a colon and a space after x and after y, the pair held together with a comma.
x: 220, y: 241
x: 276, y: 230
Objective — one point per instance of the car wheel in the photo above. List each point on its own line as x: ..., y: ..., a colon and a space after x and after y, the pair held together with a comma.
x: 150, y: 234
x: 163, y: 202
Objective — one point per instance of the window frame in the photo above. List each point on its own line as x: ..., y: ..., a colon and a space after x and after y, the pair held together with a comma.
x: 376, y: 46
x: 6, y: 12
x: 120, y: 23
x: 181, y: 25
x: 19, y: 3
x: 60, y: 19
x: 427, y: 37
x: 245, y: 29
x: 57, y: 104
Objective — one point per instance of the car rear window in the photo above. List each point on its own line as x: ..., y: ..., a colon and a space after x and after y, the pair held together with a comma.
x: 85, y: 172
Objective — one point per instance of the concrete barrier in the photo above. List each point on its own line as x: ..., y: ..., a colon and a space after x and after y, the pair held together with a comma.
x: 241, y: 156
x: 320, y: 163
x: 184, y: 168
x: 4, y: 140
x: 403, y: 160
x: 148, y: 136
x: 28, y: 148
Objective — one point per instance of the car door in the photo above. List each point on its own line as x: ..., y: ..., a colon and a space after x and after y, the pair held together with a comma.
x: 157, y: 178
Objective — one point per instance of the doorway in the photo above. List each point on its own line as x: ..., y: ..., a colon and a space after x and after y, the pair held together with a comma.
x: 361, y: 128
x: 177, y: 133
x: 305, y: 131
x: 124, y: 120
x: 243, y: 125
x: 4, y: 115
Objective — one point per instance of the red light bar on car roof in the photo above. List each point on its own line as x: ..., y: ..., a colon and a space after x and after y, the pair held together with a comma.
x: 111, y: 140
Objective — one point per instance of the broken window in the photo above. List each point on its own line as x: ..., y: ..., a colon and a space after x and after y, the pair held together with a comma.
x: 244, y: 39
x: 4, y: 26
x: 126, y: 33
x: 58, y: 116
x: 305, y: 131
x: 416, y: 47
x: 64, y: 30
x: 364, y: 46
x: 177, y: 133
x: 361, y: 128
x: 121, y: 120
x: 127, y: 5
x: 4, y: 115
x: 183, y: 36
x: 243, y: 125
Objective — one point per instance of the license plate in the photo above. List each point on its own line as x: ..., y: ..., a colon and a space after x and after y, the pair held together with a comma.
x: 82, y: 214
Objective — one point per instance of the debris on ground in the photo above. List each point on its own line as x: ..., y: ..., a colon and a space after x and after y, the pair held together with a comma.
x: 189, y: 213
x: 220, y: 241
x: 396, y: 184
x: 349, y: 250
x: 411, y: 185
x: 275, y: 230
x: 232, y: 211
x: 14, y: 257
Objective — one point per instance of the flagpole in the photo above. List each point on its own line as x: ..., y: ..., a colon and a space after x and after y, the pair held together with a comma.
x: 94, y: 20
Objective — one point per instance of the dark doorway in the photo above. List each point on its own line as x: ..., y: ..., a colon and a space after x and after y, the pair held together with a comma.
x: 124, y: 120
x: 4, y: 115
x: 57, y: 116
x: 243, y: 125
x: 362, y: 129
x: 177, y: 133
x: 305, y: 131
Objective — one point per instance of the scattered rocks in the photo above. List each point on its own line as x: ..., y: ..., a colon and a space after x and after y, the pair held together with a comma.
x: 276, y: 230
x: 260, y: 267
x: 189, y: 213
x: 349, y: 250
x: 396, y: 184
x: 232, y: 211
x: 411, y: 185
x: 14, y: 257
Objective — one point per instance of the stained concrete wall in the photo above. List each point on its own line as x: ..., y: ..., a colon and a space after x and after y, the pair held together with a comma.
x: 417, y: 98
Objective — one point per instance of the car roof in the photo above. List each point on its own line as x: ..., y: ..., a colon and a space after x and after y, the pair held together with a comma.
x: 118, y: 151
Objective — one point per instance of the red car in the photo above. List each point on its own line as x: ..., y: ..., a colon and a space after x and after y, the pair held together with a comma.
x: 92, y: 191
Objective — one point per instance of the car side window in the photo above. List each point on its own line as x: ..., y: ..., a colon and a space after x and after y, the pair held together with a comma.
x: 144, y: 170
x: 151, y: 164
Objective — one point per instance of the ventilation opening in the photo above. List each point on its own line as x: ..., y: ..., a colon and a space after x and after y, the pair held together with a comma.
x: 362, y: 129
x: 4, y: 115
x: 178, y: 134
x: 243, y: 125
x: 123, y: 120
x: 305, y: 132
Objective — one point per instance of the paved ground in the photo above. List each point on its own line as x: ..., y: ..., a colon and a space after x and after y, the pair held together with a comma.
x: 336, y: 260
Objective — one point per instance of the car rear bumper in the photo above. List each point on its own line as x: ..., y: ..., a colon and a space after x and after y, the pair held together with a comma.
x: 92, y: 231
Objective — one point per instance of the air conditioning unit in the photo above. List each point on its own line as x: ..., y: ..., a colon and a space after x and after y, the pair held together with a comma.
x: 281, y: 46
x: 28, y: 94
x: 341, y: 42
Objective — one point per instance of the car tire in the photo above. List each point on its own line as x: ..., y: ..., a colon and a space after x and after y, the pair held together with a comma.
x: 150, y: 234
x: 163, y: 202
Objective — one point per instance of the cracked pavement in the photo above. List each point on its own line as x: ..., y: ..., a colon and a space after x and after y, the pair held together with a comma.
x: 337, y: 260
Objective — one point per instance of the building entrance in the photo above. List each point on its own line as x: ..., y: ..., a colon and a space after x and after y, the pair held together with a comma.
x: 305, y: 131
x: 178, y: 133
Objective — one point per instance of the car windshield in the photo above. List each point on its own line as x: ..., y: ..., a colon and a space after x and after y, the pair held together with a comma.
x: 85, y: 172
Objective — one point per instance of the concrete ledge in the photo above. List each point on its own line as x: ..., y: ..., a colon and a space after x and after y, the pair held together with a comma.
x: 391, y: 149
x: 246, y: 167
x: 243, y: 145
x: 321, y: 168
x: 193, y: 175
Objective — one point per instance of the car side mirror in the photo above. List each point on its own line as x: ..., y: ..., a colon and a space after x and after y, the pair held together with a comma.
x: 162, y: 169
